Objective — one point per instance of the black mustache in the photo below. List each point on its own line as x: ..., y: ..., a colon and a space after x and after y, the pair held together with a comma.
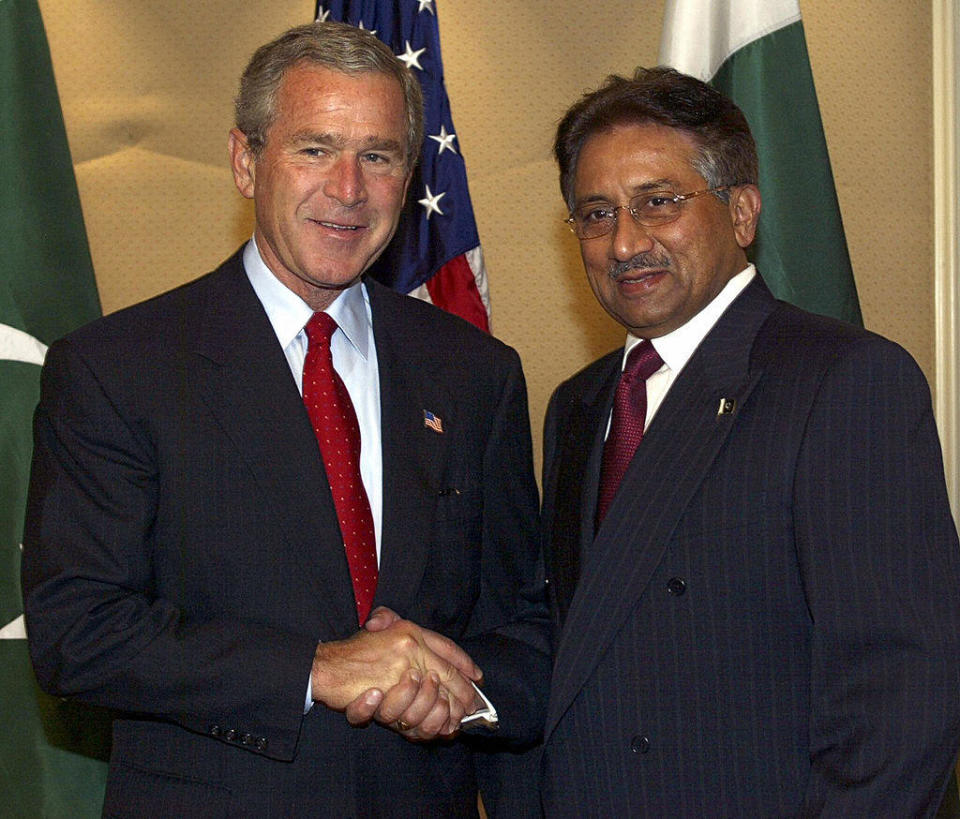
x: 642, y: 261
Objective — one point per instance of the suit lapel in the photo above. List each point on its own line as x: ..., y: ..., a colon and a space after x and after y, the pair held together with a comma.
x: 244, y: 378
x: 411, y: 451
x: 574, y: 506
x: 672, y: 461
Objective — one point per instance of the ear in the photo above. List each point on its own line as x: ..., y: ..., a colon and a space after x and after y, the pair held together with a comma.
x: 242, y: 162
x: 745, y: 205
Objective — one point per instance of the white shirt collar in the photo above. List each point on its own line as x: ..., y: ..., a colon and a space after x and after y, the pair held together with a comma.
x: 288, y: 313
x: 675, y: 348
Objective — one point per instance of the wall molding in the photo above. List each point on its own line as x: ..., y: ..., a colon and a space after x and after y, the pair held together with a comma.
x: 946, y: 190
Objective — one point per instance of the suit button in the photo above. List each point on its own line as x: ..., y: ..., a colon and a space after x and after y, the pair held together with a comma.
x: 639, y: 745
x: 230, y: 735
x: 214, y: 730
x: 261, y: 744
x: 676, y: 586
x: 246, y: 739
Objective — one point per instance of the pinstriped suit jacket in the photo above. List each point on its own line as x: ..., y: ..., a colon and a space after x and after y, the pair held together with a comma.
x: 768, y: 621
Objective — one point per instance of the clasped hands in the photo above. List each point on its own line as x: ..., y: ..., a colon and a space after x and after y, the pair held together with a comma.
x: 408, y: 678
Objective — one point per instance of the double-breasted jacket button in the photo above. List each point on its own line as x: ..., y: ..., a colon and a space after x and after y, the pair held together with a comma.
x: 676, y: 586
x: 230, y: 735
x: 640, y: 744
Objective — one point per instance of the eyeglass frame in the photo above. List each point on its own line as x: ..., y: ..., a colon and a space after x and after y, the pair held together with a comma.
x: 676, y: 198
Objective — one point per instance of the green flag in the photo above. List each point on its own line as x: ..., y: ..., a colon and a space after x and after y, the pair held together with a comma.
x: 755, y: 52
x: 51, y: 752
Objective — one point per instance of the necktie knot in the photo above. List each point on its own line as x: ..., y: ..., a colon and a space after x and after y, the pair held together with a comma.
x: 642, y: 362
x: 320, y: 328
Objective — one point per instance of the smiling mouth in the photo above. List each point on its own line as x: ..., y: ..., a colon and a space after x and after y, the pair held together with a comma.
x: 336, y: 225
x: 635, y: 276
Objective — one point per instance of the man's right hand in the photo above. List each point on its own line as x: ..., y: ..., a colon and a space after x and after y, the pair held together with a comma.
x: 399, y: 654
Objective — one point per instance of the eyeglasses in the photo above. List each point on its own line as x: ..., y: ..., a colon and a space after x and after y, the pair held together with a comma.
x: 648, y: 209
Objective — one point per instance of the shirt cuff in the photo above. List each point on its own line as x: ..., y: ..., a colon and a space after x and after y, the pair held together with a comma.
x: 486, y: 715
x: 308, y: 704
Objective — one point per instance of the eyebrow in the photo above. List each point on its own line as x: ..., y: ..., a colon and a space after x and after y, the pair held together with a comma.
x: 338, y: 141
x: 656, y: 185
x: 662, y: 184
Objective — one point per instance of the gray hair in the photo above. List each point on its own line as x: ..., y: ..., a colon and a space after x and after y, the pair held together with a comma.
x: 726, y: 153
x: 337, y: 46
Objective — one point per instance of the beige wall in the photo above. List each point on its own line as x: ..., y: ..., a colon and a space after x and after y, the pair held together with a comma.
x: 147, y: 86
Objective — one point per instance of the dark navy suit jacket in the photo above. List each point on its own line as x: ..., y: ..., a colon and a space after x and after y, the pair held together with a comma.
x: 182, y: 554
x: 767, y: 623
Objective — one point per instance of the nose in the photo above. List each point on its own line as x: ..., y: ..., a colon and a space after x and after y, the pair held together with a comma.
x: 345, y: 182
x: 628, y: 237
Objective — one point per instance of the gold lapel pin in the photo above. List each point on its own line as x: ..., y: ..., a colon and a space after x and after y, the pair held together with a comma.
x: 727, y: 406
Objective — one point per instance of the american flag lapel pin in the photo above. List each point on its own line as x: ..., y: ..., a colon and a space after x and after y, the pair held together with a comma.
x: 432, y: 421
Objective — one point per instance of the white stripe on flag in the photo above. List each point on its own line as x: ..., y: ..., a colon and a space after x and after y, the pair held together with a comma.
x: 475, y: 260
x: 698, y: 35
x: 421, y: 293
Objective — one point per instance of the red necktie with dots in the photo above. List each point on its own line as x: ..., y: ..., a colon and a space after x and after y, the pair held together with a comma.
x: 627, y: 422
x: 338, y: 434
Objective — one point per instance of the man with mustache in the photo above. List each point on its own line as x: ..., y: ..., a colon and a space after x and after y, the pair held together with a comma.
x: 229, y: 477
x: 754, y: 570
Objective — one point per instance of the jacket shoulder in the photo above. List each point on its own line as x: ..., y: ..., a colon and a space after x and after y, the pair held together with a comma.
x: 424, y: 323
x: 792, y: 333
x: 165, y: 316
x: 586, y: 381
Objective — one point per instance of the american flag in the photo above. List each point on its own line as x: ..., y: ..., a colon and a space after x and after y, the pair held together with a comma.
x: 432, y: 421
x: 435, y: 254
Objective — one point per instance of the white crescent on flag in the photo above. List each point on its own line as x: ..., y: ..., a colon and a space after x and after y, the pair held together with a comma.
x: 15, y: 630
x: 16, y: 345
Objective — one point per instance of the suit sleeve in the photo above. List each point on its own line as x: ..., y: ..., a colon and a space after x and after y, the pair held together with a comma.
x: 511, y: 618
x: 879, y: 559
x: 97, y: 629
x: 510, y: 621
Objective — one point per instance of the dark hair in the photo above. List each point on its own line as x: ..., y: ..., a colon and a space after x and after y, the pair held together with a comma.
x: 337, y: 46
x: 726, y: 152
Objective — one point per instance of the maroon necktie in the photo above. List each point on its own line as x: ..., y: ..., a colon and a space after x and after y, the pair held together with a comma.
x: 338, y: 434
x: 627, y: 421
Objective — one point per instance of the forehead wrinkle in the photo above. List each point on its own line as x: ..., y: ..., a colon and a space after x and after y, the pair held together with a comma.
x: 650, y: 186
x: 656, y: 185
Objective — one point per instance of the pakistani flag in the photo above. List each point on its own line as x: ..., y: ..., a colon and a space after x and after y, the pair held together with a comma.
x: 754, y: 51
x: 50, y: 752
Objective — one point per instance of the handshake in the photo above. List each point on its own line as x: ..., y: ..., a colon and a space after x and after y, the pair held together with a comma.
x: 410, y: 679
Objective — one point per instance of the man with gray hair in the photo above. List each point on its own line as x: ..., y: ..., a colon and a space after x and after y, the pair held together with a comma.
x: 754, y: 570
x: 233, y: 478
